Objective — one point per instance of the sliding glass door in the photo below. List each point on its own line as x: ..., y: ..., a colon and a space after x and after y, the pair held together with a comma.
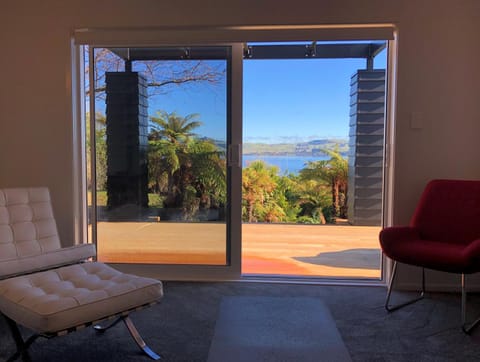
x: 161, y: 154
x: 164, y: 149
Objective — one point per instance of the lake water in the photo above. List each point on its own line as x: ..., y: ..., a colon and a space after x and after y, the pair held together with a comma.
x: 286, y: 164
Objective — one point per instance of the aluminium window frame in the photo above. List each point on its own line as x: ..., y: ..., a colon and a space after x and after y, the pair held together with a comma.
x: 228, y: 35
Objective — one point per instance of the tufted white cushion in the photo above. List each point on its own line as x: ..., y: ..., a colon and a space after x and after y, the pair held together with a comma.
x: 28, y: 234
x: 27, y: 225
x: 58, y: 299
x: 48, y: 260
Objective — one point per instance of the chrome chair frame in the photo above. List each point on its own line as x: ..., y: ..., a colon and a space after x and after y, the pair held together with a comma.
x: 466, y: 326
x: 390, y: 288
x: 24, y: 344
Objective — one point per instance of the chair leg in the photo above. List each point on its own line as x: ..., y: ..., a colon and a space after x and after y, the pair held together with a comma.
x: 102, y: 328
x: 390, y: 287
x: 22, y: 346
x: 466, y: 327
x: 138, y: 339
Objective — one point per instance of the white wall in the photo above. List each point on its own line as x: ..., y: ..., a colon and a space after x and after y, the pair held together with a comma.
x: 438, y: 76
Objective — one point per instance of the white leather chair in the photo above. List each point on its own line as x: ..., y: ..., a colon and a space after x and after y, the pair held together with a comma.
x: 53, y: 290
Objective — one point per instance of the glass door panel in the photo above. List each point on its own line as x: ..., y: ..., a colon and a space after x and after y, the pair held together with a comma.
x: 313, y: 156
x: 159, y: 154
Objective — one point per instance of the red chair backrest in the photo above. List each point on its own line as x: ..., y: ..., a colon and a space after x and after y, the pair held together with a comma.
x: 449, y: 211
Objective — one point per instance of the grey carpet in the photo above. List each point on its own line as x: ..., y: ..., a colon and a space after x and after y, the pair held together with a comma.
x: 181, y: 328
x: 276, y: 329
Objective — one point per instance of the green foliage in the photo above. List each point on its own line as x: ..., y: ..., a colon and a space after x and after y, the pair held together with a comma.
x: 155, y: 200
x: 258, y: 186
x: 208, y: 172
x: 172, y: 127
x: 190, y: 203
x: 189, y: 172
x: 307, y: 220
x: 316, y: 196
x: 287, y: 195
x: 101, y: 198
x: 101, y: 161
x: 100, y: 151
x: 163, y: 161
x: 334, y: 174
x: 328, y: 213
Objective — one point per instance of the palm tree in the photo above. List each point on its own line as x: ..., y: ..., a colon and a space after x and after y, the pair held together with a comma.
x: 193, y: 169
x: 168, y: 142
x: 258, y: 184
x: 314, y: 201
x: 208, y: 168
x: 333, y: 172
x: 172, y: 127
x: 163, y: 161
x: 286, y: 196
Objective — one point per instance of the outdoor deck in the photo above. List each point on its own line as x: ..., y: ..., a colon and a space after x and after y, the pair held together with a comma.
x: 305, y: 250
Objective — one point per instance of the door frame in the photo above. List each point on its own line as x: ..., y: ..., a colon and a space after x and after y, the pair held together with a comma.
x: 234, y: 36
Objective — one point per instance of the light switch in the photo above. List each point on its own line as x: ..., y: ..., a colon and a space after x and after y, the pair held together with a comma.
x: 416, y: 120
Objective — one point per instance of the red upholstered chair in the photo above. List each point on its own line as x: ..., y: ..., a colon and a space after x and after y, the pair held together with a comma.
x: 444, y: 235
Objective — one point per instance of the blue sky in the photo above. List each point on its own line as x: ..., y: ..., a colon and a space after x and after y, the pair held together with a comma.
x: 297, y: 100
x: 283, y: 100
x: 209, y: 101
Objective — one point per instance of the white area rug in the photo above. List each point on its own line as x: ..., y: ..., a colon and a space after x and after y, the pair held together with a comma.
x: 276, y: 329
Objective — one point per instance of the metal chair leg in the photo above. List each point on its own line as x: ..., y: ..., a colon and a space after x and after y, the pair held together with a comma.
x: 390, y: 287
x: 466, y: 327
x: 138, y: 339
x: 21, y: 344
x: 102, y: 328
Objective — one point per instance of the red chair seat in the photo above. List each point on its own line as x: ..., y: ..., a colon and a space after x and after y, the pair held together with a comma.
x: 444, y: 232
x: 405, y: 245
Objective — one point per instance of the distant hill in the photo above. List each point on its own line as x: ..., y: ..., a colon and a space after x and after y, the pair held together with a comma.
x: 311, y: 148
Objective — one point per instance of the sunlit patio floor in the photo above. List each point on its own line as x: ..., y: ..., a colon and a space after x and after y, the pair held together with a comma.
x: 305, y: 250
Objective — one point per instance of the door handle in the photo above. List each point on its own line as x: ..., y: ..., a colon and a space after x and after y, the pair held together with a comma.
x: 234, y: 155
